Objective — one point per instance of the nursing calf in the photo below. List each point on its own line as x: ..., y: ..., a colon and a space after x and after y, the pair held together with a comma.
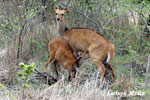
x: 61, y: 53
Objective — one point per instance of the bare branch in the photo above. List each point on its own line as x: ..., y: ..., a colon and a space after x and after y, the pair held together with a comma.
x: 19, y: 43
x: 147, y: 71
x: 95, y: 22
x: 69, y: 3
x: 141, y: 14
x: 48, y: 78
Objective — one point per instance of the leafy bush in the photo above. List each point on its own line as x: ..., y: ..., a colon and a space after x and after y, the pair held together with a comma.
x: 26, y: 71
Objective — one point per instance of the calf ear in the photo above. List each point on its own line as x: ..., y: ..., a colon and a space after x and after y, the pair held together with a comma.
x: 56, y: 7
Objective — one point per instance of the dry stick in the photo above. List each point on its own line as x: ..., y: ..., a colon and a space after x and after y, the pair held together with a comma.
x: 144, y: 20
x: 50, y: 79
x: 141, y: 14
x: 132, y: 15
x: 19, y: 45
x: 21, y: 31
x: 18, y: 55
x: 95, y: 22
x: 18, y: 51
x: 147, y: 71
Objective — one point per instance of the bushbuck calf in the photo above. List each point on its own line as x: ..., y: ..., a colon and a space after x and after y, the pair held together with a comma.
x: 61, y: 53
x: 100, y: 50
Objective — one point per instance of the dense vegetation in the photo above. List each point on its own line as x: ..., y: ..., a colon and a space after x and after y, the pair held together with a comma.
x: 26, y: 27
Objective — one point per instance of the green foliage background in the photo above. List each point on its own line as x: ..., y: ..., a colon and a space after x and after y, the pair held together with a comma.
x: 33, y: 22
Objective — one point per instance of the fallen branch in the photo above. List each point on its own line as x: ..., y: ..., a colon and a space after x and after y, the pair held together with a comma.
x: 48, y: 78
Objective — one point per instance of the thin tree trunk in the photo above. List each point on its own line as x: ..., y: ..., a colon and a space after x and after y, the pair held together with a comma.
x: 147, y: 71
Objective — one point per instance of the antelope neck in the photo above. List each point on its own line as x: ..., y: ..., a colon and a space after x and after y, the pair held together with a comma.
x: 61, y: 28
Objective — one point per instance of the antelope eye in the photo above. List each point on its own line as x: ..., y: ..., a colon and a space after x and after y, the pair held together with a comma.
x: 56, y: 13
x: 62, y: 14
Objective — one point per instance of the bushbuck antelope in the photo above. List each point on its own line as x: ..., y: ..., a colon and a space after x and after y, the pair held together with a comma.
x: 100, y: 50
x: 61, y: 53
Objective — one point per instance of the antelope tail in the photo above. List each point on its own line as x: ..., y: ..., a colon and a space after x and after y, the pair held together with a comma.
x: 108, y: 56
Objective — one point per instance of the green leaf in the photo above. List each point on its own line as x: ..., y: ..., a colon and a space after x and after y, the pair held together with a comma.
x: 2, y: 86
x: 20, y: 74
x: 21, y: 65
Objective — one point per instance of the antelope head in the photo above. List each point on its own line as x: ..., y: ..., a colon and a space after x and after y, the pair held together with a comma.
x: 59, y: 13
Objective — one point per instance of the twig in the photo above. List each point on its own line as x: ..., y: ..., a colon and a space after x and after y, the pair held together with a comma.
x: 132, y: 16
x: 95, y: 22
x: 50, y: 79
x: 142, y: 16
x: 18, y: 52
x: 144, y: 20
x: 147, y: 71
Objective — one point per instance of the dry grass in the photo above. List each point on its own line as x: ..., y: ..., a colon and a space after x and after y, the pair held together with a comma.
x: 62, y: 91
x: 86, y: 87
x: 34, y: 39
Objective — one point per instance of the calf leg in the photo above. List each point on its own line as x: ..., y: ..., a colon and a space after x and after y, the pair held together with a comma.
x: 69, y: 77
x: 72, y: 74
x: 71, y: 71
x: 55, y: 69
x: 49, y: 60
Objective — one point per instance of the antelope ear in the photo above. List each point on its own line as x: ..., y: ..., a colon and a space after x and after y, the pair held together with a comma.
x: 55, y: 7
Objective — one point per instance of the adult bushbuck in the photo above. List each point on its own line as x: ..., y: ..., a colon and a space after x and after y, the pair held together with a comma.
x: 61, y: 53
x: 100, y: 50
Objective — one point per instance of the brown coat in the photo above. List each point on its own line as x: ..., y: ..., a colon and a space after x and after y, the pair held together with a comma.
x: 60, y: 52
